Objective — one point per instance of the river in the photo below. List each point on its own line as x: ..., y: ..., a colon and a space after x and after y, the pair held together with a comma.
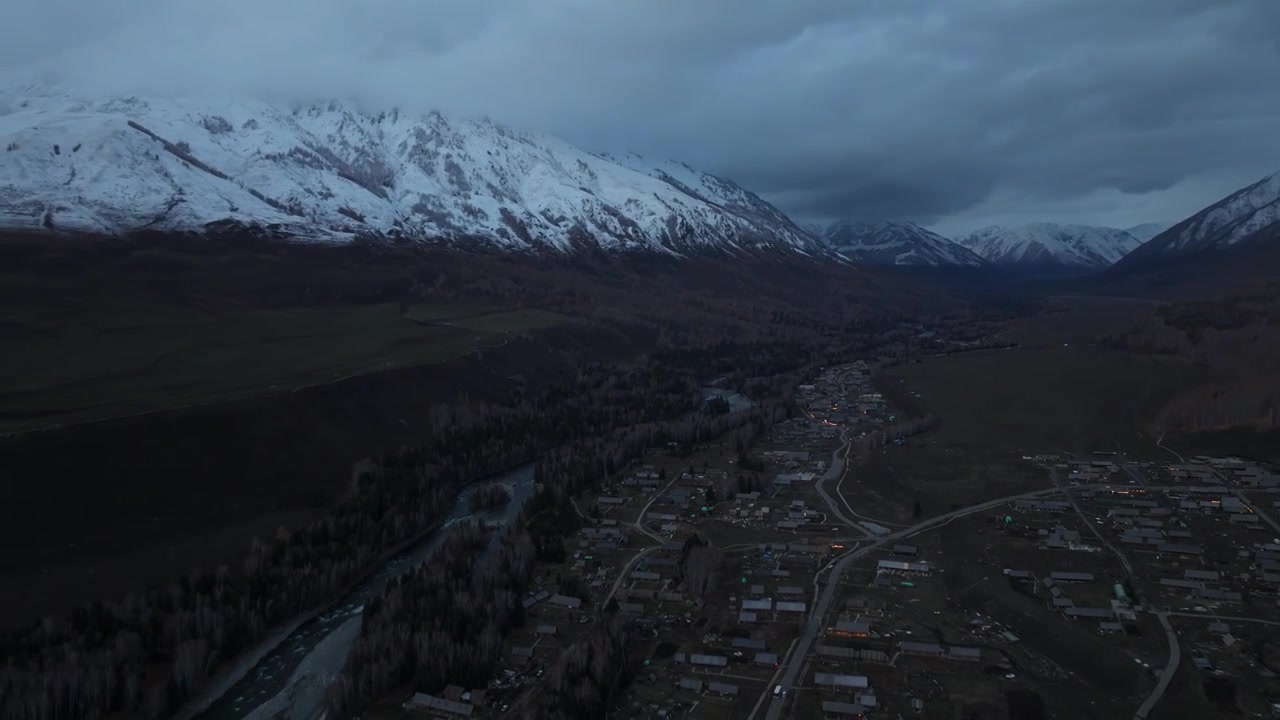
x: 291, y: 678
x: 737, y: 402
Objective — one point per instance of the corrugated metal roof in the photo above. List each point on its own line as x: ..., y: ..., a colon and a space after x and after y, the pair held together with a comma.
x: 834, y: 680
x: 920, y: 647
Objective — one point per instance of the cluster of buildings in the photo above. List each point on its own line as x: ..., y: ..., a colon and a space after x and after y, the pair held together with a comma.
x: 1212, y: 499
x: 855, y: 643
x: 1092, y: 471
x: 1191, y: 538
x: 843, y: 396
x: 1230, y: 471
x: 1057, y: 587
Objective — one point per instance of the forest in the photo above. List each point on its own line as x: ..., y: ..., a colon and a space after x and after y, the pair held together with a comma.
x: 488, y: 498
x: 104, y: 657
x: 1235, y: 340
x: 440, y: 625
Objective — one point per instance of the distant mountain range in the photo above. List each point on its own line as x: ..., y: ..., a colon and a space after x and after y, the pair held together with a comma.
x: 1050, y: 245
x: 1042, y: 246
x: 893, y: 243
x: 331, y: 172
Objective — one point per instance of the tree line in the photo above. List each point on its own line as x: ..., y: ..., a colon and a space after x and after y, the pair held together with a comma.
x: 441, y: 623
x: 488, y: 498
x: 1235, y: 339
x: 438, y: 626
x: 590, y: 675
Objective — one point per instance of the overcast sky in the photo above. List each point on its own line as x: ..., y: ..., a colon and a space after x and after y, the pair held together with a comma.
x: 952, y: 113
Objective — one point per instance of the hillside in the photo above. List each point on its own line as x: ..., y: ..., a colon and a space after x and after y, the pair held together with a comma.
x: 1237, y: 337
x: 1043, y: 245
x: 892, y: 243
x: 1243, y: 222
x: 330, y: 171
x: 1218, y: 270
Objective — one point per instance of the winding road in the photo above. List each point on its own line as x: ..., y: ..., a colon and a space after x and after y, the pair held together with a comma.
x: 1170, y: 668
x: 639, y: 527
x: 1171, y: 636
x: 839, y: 466
x: 1175, y: 650
x: 840, y: 469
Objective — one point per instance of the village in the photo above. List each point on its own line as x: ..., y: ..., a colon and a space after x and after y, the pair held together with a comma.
x: 759, y: 589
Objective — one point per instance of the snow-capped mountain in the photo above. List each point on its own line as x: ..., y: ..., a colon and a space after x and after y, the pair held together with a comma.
x: 1049, y: 244
x: 1146, y: 231
x: 330, y: 171
x: 1245, y: 217
x: 892, y: 243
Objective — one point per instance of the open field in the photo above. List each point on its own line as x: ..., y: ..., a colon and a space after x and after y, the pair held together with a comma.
x: 940, y: 476
x: 1243, y: 442
x: 1049, y: 399
x: 68, y: 365
x: 1185, y: 698
x: 1080, y: 320
x: 1077, y: 319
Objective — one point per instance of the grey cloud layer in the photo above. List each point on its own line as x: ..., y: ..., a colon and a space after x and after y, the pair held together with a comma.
x: 876, y: 108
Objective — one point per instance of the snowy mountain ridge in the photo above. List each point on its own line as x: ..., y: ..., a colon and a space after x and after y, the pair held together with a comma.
x: 328, y: 171
x: 1243, y: 220
x: 1235, y: 218
x: 1050, y: 244
x: 893, y: 243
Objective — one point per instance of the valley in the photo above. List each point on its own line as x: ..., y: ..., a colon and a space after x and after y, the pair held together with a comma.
x: 189, y: 481
x: 319, y: 411
x: 385, y: 378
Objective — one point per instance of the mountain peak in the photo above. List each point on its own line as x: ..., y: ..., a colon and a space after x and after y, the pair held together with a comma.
x: 893, y: 243
x: 1244, y: 218
x: 1051, y: 244
x: 330, y: 170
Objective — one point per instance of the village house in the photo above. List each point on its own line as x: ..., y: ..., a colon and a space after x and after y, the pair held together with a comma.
x: 423, y: 702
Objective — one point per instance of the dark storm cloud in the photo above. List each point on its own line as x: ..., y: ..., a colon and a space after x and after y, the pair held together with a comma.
x: 957, y: 113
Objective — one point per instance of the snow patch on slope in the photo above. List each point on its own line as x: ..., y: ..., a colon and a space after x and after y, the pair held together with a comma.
x: 1230, y: 220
